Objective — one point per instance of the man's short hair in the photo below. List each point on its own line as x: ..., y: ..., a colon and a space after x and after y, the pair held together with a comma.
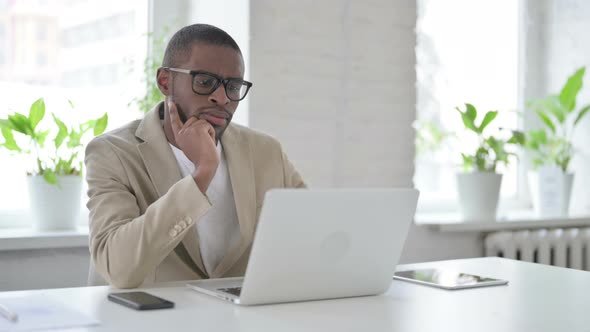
x: 181, y: 42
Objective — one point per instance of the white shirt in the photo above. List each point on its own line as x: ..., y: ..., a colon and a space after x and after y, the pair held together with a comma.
x: 218, y: 230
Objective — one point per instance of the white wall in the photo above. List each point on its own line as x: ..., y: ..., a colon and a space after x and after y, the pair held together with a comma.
x: 46, y: 268
x: 335, y: 84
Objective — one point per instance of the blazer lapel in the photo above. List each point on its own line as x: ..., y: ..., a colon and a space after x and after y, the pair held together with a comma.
x: 241, y: 172
x: 163, y: 170
x: 156, y: 153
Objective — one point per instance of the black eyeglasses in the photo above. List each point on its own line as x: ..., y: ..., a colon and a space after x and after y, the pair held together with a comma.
x: 205, y: 83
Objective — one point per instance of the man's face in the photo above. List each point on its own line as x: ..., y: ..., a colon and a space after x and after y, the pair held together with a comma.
x: 216, y: 108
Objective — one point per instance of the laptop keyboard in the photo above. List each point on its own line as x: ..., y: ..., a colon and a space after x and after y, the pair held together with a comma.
x: 232, y: 290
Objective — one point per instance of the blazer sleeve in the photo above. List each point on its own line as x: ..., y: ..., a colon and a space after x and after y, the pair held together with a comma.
x: 292, y: 178
x: 125, y: 245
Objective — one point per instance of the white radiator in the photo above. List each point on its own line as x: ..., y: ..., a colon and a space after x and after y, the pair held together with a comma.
x: 567, y: 247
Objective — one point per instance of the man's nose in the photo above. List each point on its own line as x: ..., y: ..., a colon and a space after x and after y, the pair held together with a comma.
x: 219, y: 96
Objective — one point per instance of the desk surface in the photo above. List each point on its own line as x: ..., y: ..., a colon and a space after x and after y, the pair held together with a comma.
x: 538, y: 298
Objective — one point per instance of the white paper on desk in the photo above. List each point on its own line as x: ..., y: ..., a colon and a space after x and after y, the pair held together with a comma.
x: 37, y: 312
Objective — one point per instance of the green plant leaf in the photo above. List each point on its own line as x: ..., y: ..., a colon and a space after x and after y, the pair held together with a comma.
x: 570, y: 90
x: 538, y: 136
x: 61, y: 134
x: 101, y: 124
x: 489, y: 117
x: 21, y: 124
x: 481, y: 159
x: 41, y: 136
x: 72, y: 157
x: 64, y: 167
x: 49, y: 176
x: 72, y: 169
x: 468, y: 117
x: 9, y: 142
x: 84, y: 127
x: 564, y: 164
x: 429, y: 136
x: 550, y: 106
x: 532, y: 145
x: 535, y: 140
x: 518, y: 137
x: 470, y: 111
x: 71, y: 104
x: 36, y: 113
x: 151, y: 64
x: 546, y: 120
x: 554, y: 106
x: 537, y: 162
x: 5, y: 123
x: 74, y: 138
x: 467, y: 162
x: 499, y: 150
x: 583, y: 112
x: 58, y: 166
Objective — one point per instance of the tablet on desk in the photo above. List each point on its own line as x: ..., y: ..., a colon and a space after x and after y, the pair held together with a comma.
x: 447, y: 279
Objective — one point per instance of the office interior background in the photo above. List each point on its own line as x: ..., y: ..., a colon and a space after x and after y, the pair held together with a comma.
x: 342, y: 84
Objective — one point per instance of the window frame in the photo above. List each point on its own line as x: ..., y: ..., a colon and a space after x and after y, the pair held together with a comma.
x: 521, y: 200
x: 22, y: 218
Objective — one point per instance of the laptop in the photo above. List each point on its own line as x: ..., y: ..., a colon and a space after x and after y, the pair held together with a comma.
x: 314, y: 244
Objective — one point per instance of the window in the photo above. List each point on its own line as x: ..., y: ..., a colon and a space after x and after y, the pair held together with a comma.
x: 94, y: 52
x: 41, y: 31
x: 41, y: 59
x: 467, y: 51
x: 3, y: 41
x: 100, y: 29
x: 56, y: 50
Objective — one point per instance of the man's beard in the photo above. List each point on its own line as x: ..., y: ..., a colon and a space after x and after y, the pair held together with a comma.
x: 219, y: 130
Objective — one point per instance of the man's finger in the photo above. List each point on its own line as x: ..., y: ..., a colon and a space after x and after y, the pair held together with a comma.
x: 211, y: 132
x: 208, y: 127
x: 191, y: 120
x: 174, y: 118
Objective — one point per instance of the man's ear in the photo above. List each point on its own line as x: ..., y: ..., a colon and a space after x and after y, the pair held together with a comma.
x: 164, y: 81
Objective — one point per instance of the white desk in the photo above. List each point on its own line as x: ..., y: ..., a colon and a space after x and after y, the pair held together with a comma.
x: 538, y: 298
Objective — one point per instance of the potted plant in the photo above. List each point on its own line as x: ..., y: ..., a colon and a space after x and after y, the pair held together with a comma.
x: 551, y: 147
x: 151, y: 63
x: 431, y: 149
x: 54, y: 179
x: 479, y: 183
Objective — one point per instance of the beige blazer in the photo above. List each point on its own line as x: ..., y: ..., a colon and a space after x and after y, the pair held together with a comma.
x: 141, y: 210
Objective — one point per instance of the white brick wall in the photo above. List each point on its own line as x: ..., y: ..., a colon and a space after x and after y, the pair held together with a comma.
x: 334, y: 82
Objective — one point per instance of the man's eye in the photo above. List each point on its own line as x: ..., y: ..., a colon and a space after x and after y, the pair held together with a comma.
x: 234, y: 86
x: 204, y: 82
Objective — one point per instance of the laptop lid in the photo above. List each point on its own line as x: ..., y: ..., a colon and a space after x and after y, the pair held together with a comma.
x: 327, y: 243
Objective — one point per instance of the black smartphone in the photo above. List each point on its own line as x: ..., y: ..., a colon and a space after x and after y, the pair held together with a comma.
x: 140, y: 300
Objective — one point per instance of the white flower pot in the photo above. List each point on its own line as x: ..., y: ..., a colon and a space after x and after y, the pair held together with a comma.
x: 479, y: 193
x: 55, y: 207
x: 550, y: 190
